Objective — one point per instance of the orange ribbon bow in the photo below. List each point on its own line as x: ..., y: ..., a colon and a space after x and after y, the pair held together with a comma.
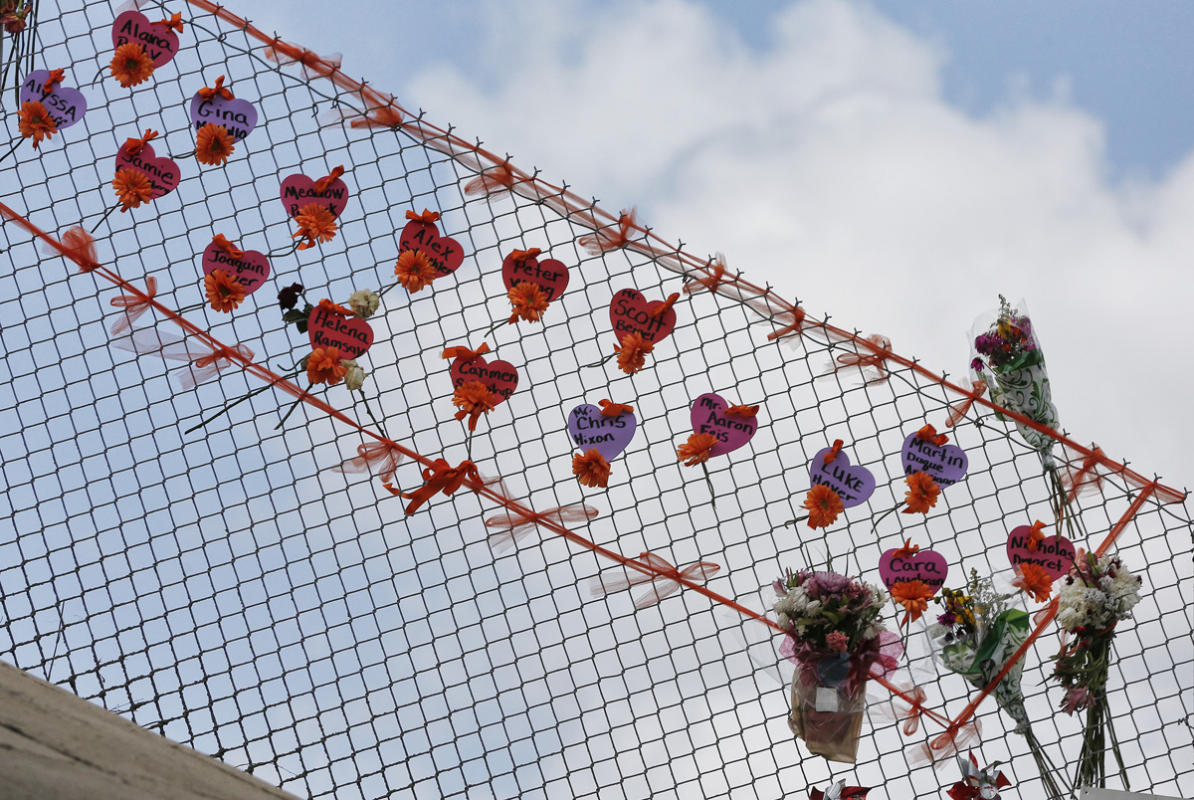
x: 426, y: 216
x: 380, y: 117
x: 908, y: 549
x: 210, y: 92
x: 440, y: 477
x: 915, y: 710
x: 208, y: 366
x: 519, y: 256
x: 380, y: 457
x: 929, y: 434
x: 611, y: 409
x: 876, y: 357
x: 517, y: 526
x: 334, y: 308
x: 221, y: 241
x: 173, y: 22
x: 742, y: 411
x: 79, y: 247
x: 133, y: 146
x: 499, y: 177
x: 664, y: 578
x: 134, y: 306
x: 710, y: 281
x: 793, y: 327
x: 833, y: 451
x: 1086, y: 475
x: 665, y: 306
x: 56, y: 77
x: 604, y: 240
x: 323, y: 183
x: 956, y: 412
x: 1035, y: 536
x: 463, y: 351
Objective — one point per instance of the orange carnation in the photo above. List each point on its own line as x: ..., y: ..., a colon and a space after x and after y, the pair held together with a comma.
x: 35, y: 122
x: 324, y: 365
x: 914, y: 597
x: 224, y: 292
x: 632, y: 352
x: 823, y: 506
x: 528, y: 300
x: 131, y: 64
x: 414, y: 270
x: 922, y: 493
x: 316, y: 224
x: 213, y: 145
x: 132, y: 188
x: 473, y: 398
x: 591, y: 468
x: 1033, y: 580
x: 697, y: 449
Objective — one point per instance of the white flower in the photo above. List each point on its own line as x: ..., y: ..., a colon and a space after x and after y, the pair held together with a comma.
x: 354, y: 376
x: 785, y: 621
x: 364, y: 302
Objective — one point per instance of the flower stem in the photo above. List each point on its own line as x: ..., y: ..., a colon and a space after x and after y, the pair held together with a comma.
x: 293, y: 406
x: 107, y: 214
x: 229, y: 406
x: 709, y: 481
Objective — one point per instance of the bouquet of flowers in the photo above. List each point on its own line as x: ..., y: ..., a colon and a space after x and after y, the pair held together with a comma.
x: 836, y: 640
x: 974, y: 638
x: 1095, y: 596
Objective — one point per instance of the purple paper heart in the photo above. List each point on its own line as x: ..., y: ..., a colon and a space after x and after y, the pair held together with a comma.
x: 732, y: 431
x: 589, y: 428
x: 853, y: 484
x: 946, y: 464
x: 238, y: 117
x: 65, y: 105
x: 159, y: 41
x: 250, y: 270
x: 926, y: 565
x: 299, y: 190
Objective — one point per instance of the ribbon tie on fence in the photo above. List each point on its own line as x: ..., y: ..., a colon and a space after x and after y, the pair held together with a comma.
x: 520, y: 256
x: 605, y: 240
x: 173, y: 22
x: 915, y: 709
x: 79, y: 247
x: 221, y: 241
x: 134, y: 306
x: 950, y: 742
x: 741, y: 411
x: 133, y: 146
x: 1087, y: 474
x: 793, y: 327
x: 833, y: 451
x: 929, y: 434
x: 710, y: 281
x: 333, y: 308
x: 511, y: 528
x: 380, y: 458
x: 427, y: 216
x: 612, y: 409
x: 219, y: 90
x: 323, y: 183
x: 56, y: 77
x: 380, y: 117
x: 207, y: 366
x: 876, y: 357
x: 664, y: 579
x: 665, y: 306
x: 440, y: 477
x: 463, y: 351
x: 491, y: 180
x: 957, y: 411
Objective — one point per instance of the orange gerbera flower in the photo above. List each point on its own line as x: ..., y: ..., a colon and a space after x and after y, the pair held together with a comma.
x: 697, y: 449
x: 922, y: 493
x: 591, y: 468
x: 914, y: 597
x: 528, y: 300
x: 132, y: 188
x: 1033, y: 580
x: 823, y: 506
x: 35, y: 122
x: 224, y: 292
x: 632, y: 352
x: 473, y: 398
x: 213, y: 145
x: 316, y: 224
x: 414, y: 270
x: 324, y: 365
x: 131, y: 64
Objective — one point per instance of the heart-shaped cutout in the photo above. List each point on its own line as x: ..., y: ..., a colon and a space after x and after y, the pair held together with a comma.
x: 445, y: 253
x: 946, y: 464
x: 853, y: 484
x: 732, y: 431
x: 549, y: 274
x: 299, y: 190
x: 65, y: 105
x: 1054, y: 553
x: 159, y: 41
x: 250, y: 270
x: 630, y: 312
x: 500, y: 377
x: 589, y: 428
x: 162, y: 172
x: 238, y: 117
x: 925, y: 565
x: 352, y: 336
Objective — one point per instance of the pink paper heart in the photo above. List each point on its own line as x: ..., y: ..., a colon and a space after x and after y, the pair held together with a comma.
x: 500, y: 377
x: 238, y: 117
x: 708, y: 416
x: 630, y: 312
x: 250, y: 270
x: 163, y: 173
x: 159, y: 41
x: 926, y: 565
x: 853, y: 484
x: 946, y: 464
x: 352, y: 336
x: 589, y: 428
x: 445, y: 254
x: 299, y: 190
x: 549, y: 274
x: 65, y: 105
x: 1054, y: 553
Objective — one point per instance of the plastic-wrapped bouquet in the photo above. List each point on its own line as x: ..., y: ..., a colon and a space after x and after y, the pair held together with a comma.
x: 974, y: 637
x: 1094, y: 597
x: 836, y: 641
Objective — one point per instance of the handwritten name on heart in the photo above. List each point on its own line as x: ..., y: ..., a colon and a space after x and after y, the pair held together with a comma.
x: 299, y: 190
x: 549, y: 274
x: 589, y: 428
x: 160, y: 42
x: 925, y: 565
x: 853, y: 484
x: 630, y: 312
x: 250, y: 270
x: 444, y: 253
x: 163, y: 173
x: 352, y: 336
x: 65, y: 105
x: 946, y: 464
x: 500, y: 377
x: 732, y: 431
x: 1054, y: 553
x: 238, y: 117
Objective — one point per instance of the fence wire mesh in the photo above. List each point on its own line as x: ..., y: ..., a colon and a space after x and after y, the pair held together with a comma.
x: 226, y: 588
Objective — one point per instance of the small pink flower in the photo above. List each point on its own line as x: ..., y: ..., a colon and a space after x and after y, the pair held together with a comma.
x: 1076, y: 699
x: 837, y: 641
